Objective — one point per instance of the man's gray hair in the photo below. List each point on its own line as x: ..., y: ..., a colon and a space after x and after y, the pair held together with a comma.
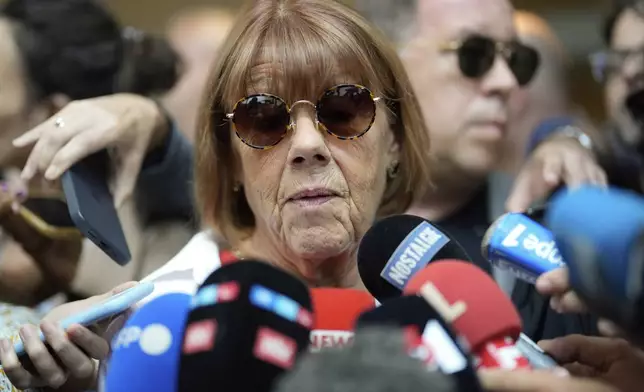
x: 395, y: 18
x: 376, y: 362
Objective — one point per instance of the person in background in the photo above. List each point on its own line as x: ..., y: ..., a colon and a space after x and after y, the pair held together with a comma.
x: 311, y: 131
x: 620, y: 67
x: 196, y: 34
x: 465, y: 83
x: 50, y: 56
x: 546, y: 96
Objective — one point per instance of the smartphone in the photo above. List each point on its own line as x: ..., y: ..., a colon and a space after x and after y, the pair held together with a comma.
x: 91, y: 206
x: 108, y: 308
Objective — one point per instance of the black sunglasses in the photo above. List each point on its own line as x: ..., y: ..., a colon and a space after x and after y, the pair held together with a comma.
x: 476, y: 55
x: 346, y: 111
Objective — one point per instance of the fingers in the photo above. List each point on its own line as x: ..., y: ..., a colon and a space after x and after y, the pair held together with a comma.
x: 79, y: 147
x: 536, y: 381
x: 553, y: 168
x: 568, y: 303
x: 609, y: 329
x: 554, y: 282
x: 596, y: 352
x: 78, y: 363
x: 95, y: 346
x: 522, y: 193
x: 43, y: 361
x: 126, y: 177
x: 121, y: 288
x: 12, y: 367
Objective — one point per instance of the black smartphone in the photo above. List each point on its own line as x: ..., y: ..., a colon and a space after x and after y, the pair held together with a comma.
x: 91, y: 206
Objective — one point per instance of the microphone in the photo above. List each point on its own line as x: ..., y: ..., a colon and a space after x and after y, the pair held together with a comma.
x: 600, y: 233
x: 396, y: 248
x: 376, y: 362
x: 471, y: 301
x: 247, y: 318
x: 520, y: 245
x: 336, y: 311
x: 430, y: 338
x: 145, y: 352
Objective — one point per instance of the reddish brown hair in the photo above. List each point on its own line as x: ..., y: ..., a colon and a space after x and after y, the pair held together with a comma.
x: 309, y: 45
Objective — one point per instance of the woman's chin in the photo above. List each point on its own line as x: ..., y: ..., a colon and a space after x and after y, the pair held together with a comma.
x: 317, y: 243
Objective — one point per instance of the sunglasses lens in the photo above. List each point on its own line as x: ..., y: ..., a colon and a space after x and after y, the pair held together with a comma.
x: 261, y: 120
x: 476, y: 56
x: 347, y: 111
x: 524, y: 62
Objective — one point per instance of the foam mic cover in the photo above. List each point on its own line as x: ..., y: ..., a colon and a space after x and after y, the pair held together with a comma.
x: 477, y: 308
x: 600, y: 234
x: 145, y: 352
x: 397, y: 247
x: 248, y: 318
x: 516, y: 243
x: 446, y: 348
x: 336, y: 311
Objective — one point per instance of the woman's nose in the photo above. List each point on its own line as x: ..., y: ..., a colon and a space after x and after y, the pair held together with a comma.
x: 308, y: 144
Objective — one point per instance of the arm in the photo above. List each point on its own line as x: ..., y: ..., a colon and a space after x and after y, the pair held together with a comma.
x: 164, y: 186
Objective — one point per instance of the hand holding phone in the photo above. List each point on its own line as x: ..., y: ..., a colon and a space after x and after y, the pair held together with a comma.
x: 67, y: 356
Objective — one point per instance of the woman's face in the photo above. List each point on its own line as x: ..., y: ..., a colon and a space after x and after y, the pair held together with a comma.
x: 313, y: 193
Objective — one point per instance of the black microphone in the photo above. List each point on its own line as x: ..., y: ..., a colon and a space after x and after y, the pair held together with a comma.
x: 375, y: 362
x: 397, y: 247
x: 248, y: 318
x: 446, y: 349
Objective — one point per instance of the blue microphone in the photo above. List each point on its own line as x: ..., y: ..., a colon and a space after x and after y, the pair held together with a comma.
x: 516, y: 243
x: 145, y: 353
x: 600, y: 233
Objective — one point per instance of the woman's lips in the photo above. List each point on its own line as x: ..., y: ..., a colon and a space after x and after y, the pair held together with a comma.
x: 312, y: 197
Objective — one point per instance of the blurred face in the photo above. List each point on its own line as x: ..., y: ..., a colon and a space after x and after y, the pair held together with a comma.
x: 13, y: 95
x: 626, y: 71
x: 313, y: 194
x: 466, y: 116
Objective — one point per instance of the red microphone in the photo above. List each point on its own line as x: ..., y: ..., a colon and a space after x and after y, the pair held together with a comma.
x: 473, y: 303
x: 336, y: 311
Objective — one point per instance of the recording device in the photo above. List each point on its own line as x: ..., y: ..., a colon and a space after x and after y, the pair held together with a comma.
x: 444, y: 348
x: 518, y: 244
x: 376, y: 362
x: 397, y: 247
x: 604, y: 251
x: 91, y: 206
x: 336, y: 311
x: 110, y: 307
x: 247, y: 325
x: 145, y: 352
x: 471, y: 301
x: 537, y: 358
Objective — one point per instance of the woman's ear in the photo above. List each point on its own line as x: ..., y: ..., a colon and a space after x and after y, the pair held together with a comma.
x: 393, y: 152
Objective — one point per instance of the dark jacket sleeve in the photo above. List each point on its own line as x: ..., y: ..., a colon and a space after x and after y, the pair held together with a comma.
x: 164, y: 187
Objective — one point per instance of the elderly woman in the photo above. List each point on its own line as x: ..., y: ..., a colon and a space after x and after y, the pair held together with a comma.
x: 310, y: 131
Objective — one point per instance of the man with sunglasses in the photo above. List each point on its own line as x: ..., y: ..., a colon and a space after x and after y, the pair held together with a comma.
x: 465, y: 60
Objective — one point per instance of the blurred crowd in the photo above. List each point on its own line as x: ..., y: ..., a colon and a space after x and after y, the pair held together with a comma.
x: 282, y: 132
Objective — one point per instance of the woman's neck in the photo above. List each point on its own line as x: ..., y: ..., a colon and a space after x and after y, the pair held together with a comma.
x: 340, y: 271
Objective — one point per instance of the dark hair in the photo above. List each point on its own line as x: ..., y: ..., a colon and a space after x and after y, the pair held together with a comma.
x: 77, y: 48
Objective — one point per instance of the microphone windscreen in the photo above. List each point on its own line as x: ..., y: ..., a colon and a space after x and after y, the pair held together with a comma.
x: 145, y: 352
x: 469, y: 299
x: 336, y: 310
x: 447, y: 348
x: 247, y: 318
x: 376, y: 362
x: 397, y: 247
x: 600, y: 233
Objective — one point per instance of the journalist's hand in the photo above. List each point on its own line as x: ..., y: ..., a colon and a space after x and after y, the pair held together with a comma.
x: 557, y: 160
x: 70, y: 364
x: 126, y: 124
x: 537, y: 381
x: 611, y: 360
